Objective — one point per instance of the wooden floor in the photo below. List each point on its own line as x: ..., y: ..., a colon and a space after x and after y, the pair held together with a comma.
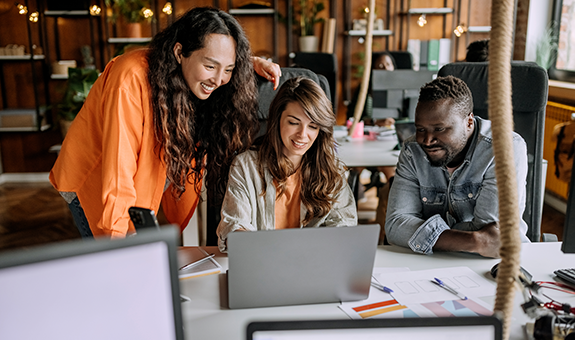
x: 34, y: 214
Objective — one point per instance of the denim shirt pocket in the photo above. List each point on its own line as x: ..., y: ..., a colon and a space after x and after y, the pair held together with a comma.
x: 464, y: 197
x: 433, y: 201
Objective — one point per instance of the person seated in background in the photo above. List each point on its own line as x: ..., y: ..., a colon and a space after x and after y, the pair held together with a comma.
x: 291, y: 177
x: 383, y: 61
x: 444, y: 196
x: 478, y: 51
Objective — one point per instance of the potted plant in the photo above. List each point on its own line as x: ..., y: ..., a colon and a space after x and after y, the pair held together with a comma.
x: 133, y: 12
x: 307, y: 13
x: 80, y: 81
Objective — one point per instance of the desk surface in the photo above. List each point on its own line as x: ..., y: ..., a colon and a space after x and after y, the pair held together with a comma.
x: 362, y: 152
x: 207, y: 317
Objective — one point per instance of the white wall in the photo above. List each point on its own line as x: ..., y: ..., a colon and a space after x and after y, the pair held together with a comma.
x: 540, y: 13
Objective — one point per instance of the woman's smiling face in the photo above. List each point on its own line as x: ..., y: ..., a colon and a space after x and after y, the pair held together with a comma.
x: 210, y: 67
x: 297, y: 131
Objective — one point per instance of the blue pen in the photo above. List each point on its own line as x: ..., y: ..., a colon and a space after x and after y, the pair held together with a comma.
x: 449, y: 289
x: 382, y: 288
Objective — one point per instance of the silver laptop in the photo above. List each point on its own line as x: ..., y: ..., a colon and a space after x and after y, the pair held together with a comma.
x: 476, y: 327
x: 300, y: 266
x: 98, y: 289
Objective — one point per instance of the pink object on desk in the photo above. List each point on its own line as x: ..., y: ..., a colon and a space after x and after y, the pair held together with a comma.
x: 358, y: 133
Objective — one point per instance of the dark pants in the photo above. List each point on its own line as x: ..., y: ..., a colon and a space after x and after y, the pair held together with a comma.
x: 80, y: 219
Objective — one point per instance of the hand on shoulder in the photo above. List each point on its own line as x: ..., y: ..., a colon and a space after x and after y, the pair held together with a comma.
x: 267, y: 69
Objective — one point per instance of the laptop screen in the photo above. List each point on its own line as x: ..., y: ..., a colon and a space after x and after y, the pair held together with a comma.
x: 469, y: 328
x: 404, y: 130
x: 120, y: 289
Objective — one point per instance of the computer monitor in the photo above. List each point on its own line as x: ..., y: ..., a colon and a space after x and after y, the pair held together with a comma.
x: 469, y: 328
x: 568, y: 245
x: 395, y: 93
x: 98, y: 289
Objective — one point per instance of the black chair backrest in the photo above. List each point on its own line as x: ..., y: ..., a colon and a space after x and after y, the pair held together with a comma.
x: 403, y: 60
x: 323, y: 64
x: 529, y: 98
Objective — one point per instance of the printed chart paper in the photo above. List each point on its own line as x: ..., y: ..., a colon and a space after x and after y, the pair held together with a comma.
x: 388, y: 307
x: 416, y: 286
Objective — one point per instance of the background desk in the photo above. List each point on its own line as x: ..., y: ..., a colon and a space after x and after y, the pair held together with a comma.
x: 362, y: 152
x: 206, y: 316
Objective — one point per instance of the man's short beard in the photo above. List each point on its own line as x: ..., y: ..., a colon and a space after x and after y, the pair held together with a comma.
x: 443, y: 161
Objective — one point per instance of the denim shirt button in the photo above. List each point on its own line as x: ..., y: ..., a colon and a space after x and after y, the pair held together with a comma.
x: 424, y: 199
x: 417, y: 246
x: 470, y: 195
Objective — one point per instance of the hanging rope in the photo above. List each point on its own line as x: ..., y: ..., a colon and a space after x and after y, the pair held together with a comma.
x: 501, y: 115
x: 366, y: 68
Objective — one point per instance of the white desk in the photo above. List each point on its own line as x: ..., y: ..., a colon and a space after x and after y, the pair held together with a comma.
x: 206, y: 317
x: 361, y: 152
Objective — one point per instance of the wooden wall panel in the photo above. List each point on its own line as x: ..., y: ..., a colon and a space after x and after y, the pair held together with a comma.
x: 28, y: 151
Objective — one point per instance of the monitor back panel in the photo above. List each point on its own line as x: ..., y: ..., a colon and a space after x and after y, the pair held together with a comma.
x: 300, y: 266
x: 99, y: 289
x: 469, y: 328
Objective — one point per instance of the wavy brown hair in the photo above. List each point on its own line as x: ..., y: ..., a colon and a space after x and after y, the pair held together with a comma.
x: 320, y: 167
x: 196, y: 134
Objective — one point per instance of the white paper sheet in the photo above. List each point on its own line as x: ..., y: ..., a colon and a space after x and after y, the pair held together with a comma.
x: 416, y: 286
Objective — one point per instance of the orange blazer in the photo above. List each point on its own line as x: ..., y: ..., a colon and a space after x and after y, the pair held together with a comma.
x: 110, y: 157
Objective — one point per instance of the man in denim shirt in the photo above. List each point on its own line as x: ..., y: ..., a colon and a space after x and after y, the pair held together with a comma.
x: 444, y: 196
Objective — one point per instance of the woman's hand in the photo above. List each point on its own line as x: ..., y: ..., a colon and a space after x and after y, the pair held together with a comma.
x: 267, y: 69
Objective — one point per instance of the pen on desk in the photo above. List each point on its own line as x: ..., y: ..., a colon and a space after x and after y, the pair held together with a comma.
x: 449, y: 289
x: 189, y: 265
x: 382, y: 287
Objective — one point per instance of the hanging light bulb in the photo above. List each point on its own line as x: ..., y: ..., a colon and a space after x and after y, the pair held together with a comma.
x: 459, y: 30
x: 95, y: 10
x: 21, y: 9
x: 167, y: 8
x: 366, y: 10
x: 34, y: 16
x: 421, y: 21
x: 147, y: 13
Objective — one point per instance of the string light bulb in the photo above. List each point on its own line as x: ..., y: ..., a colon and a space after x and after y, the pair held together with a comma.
x: 147, y: 13
x: 34, y: 16
x: 421, y: 21
x: 459, y: 30
x: 95, y: 10
x: 21, y: 9
x: 366, y: 10
x: 168, y: 8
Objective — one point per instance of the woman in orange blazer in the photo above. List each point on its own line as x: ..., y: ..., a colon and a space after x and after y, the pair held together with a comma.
x: 156, y: 119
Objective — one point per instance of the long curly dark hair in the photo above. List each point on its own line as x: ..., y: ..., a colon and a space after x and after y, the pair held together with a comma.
x: 320, y: 167
x: 196, y: 134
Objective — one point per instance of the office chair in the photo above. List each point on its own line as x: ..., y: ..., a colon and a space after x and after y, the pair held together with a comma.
x: 529, y: 84
x: 322, y: 64
x: 403, y: 60
x: 266, y: 94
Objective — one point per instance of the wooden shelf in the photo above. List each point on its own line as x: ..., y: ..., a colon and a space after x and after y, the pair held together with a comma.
x: 21, y: 57
x: 479, y: 29
x: 441, y: 10
x: 238, y: 11
x: 84, y: 13
x: 14, y: 114
x: 129, y: 40
x: 25, y: 129
x: 361, y: 33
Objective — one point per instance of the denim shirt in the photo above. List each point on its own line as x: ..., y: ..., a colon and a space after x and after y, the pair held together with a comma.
x: 424, y: 201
